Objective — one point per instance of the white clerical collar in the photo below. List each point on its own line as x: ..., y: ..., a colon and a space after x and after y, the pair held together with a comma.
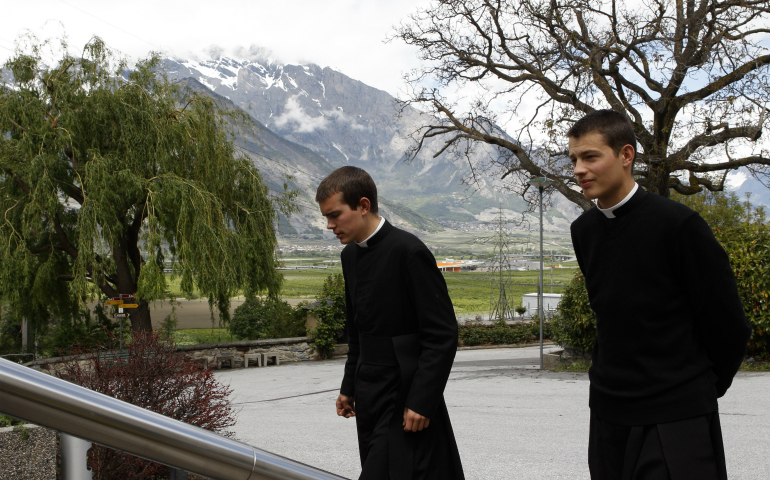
x: 608, y: 212
x: 364, y: 243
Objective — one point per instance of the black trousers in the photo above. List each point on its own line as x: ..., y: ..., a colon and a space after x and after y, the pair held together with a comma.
x: 689, y: 449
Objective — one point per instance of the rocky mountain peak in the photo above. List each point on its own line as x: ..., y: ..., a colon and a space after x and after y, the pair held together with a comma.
x: 347, y: 122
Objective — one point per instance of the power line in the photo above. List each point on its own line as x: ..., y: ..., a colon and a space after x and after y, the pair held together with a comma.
x: 7, y: 41
x: 110, y: 24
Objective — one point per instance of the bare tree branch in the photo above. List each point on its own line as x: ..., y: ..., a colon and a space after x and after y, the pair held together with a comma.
x: 688, y: 75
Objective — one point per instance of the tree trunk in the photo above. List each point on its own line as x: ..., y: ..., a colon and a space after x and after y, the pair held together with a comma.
x: 140, y: 318
x: 656, y: 179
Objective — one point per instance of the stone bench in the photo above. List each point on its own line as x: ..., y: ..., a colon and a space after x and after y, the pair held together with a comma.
x: 268, y: 355
x: 225, y: 358
x: 252, y: 356
x: 205, y: 361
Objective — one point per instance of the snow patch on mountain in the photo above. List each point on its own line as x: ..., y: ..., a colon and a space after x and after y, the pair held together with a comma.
x: 224, y: 74
x: 341, y: 120
x: 340, y: 150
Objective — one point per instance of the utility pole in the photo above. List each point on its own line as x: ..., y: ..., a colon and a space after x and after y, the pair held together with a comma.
x: 541, y: 183
x: 551, y: 249
x: 26, y: 335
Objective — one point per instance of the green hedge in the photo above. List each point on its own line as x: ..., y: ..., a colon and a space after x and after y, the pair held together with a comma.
x: 474, y: 333
x: 257, y: 319
x: 330, y: 311
x: 748, y: 246
x: 575, y: 323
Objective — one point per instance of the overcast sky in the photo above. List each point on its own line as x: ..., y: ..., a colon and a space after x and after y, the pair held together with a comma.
x: 346, y: 34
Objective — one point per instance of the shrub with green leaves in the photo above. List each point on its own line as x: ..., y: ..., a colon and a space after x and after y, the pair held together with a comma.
x: 259, y: 318
x: 574, y: 324
x: 6, y: 421
x: 743, y: 231
x: 51, y: 335
x: 475, y: 333
x: 330, y: 311
x: 748, y: 246
x: 291, y: 324
x: 252, y: 319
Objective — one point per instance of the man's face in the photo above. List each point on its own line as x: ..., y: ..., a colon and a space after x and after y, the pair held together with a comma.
x: 601, y: 173
x: 346, y: 223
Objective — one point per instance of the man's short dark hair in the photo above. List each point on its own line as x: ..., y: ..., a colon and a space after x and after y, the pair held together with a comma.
x: 354, y: 184
x: 613, y: 126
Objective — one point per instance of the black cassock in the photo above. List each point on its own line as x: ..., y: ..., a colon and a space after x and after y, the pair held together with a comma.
x: 402, y: 342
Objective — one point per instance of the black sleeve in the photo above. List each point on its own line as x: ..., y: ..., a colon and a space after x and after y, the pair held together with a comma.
x: 713, y: 296
x: 349, y: 379
x: 437, y: 330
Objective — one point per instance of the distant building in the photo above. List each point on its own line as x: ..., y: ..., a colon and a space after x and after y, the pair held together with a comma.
x: 550, y: 302
x: 449, y: 265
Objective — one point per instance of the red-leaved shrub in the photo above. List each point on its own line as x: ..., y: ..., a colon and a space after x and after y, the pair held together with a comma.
x: 157, y: 377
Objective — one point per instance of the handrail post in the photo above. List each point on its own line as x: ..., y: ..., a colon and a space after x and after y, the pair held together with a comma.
x: 74, y: 458
x: 176, y: 474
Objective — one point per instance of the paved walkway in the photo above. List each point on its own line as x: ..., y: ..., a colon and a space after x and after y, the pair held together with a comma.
x: 511, y: 420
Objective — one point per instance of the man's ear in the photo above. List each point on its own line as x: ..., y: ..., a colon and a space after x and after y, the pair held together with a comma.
x: 628, y: 153
x: 365, y: 205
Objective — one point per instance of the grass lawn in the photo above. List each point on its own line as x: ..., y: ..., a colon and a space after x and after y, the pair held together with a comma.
x: 196, y: 336
x: 297, y: 283
x: 304, y: 283
x: 469, y: 291
x: 574, y: 367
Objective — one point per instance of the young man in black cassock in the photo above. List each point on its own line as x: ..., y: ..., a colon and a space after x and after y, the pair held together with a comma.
x: 671, y: 331
x: 402, y: 338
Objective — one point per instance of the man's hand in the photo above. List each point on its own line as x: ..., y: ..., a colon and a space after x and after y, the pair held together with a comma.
x: 414, y: 422
x: 346, y: 406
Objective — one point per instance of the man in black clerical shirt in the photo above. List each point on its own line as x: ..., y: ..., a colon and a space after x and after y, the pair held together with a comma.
x: 402, y: 338
x: 671, y: 331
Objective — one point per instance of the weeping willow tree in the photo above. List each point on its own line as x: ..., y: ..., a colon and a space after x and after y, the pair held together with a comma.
x: 105, y: 171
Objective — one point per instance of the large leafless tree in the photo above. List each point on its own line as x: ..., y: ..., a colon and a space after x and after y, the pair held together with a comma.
x: 692, y: 76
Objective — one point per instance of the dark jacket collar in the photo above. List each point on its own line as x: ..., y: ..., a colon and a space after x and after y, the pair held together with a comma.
x: 377, y: 238
x: 632, y: 204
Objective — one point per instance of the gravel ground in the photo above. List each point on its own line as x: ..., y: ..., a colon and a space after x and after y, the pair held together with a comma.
x: 511, y: 420
x: 30, y: 459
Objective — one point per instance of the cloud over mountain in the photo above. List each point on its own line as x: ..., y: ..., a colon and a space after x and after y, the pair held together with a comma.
x: 347, y: 122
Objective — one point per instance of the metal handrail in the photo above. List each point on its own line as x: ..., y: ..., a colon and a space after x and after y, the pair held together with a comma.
x: 52, y: 402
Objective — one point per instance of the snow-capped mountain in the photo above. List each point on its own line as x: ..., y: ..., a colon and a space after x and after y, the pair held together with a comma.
x: 345, y: 121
